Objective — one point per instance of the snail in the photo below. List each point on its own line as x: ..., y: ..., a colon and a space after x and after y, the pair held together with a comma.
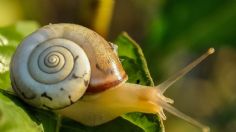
x: 73, y: 71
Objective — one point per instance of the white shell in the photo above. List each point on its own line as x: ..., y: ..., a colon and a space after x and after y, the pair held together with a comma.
x: 50, y: 72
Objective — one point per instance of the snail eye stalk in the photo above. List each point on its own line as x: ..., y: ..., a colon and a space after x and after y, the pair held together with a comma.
x: 166, y: 84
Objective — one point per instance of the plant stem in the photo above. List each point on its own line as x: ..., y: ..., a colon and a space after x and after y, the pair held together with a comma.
x: 103, y: 17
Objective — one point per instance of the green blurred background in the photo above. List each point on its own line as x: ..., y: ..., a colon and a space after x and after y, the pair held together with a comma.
x: 171, y: 34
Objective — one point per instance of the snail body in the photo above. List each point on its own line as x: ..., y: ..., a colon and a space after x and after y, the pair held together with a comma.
x: 72, y: 70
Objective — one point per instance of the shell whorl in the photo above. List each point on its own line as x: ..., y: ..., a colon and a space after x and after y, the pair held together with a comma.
x: 68, y: 60
x: 50, y: 72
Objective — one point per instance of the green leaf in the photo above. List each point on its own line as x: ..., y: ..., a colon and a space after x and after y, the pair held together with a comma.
x: 135, y: 65
x: 133, y: 60
x: 27, y: 118
x: 10, y: 37
x: 18, y: 117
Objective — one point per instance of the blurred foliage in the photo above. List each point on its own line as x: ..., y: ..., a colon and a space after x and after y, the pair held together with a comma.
x: 171, y: 33
x: 10, y: 36
x: 10, y: 12
x: 193, y: 25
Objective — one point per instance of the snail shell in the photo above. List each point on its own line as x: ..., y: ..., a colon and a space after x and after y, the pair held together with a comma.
x: 54, y: 66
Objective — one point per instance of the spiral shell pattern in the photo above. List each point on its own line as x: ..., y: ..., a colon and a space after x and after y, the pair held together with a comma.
x: 50, y: 72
